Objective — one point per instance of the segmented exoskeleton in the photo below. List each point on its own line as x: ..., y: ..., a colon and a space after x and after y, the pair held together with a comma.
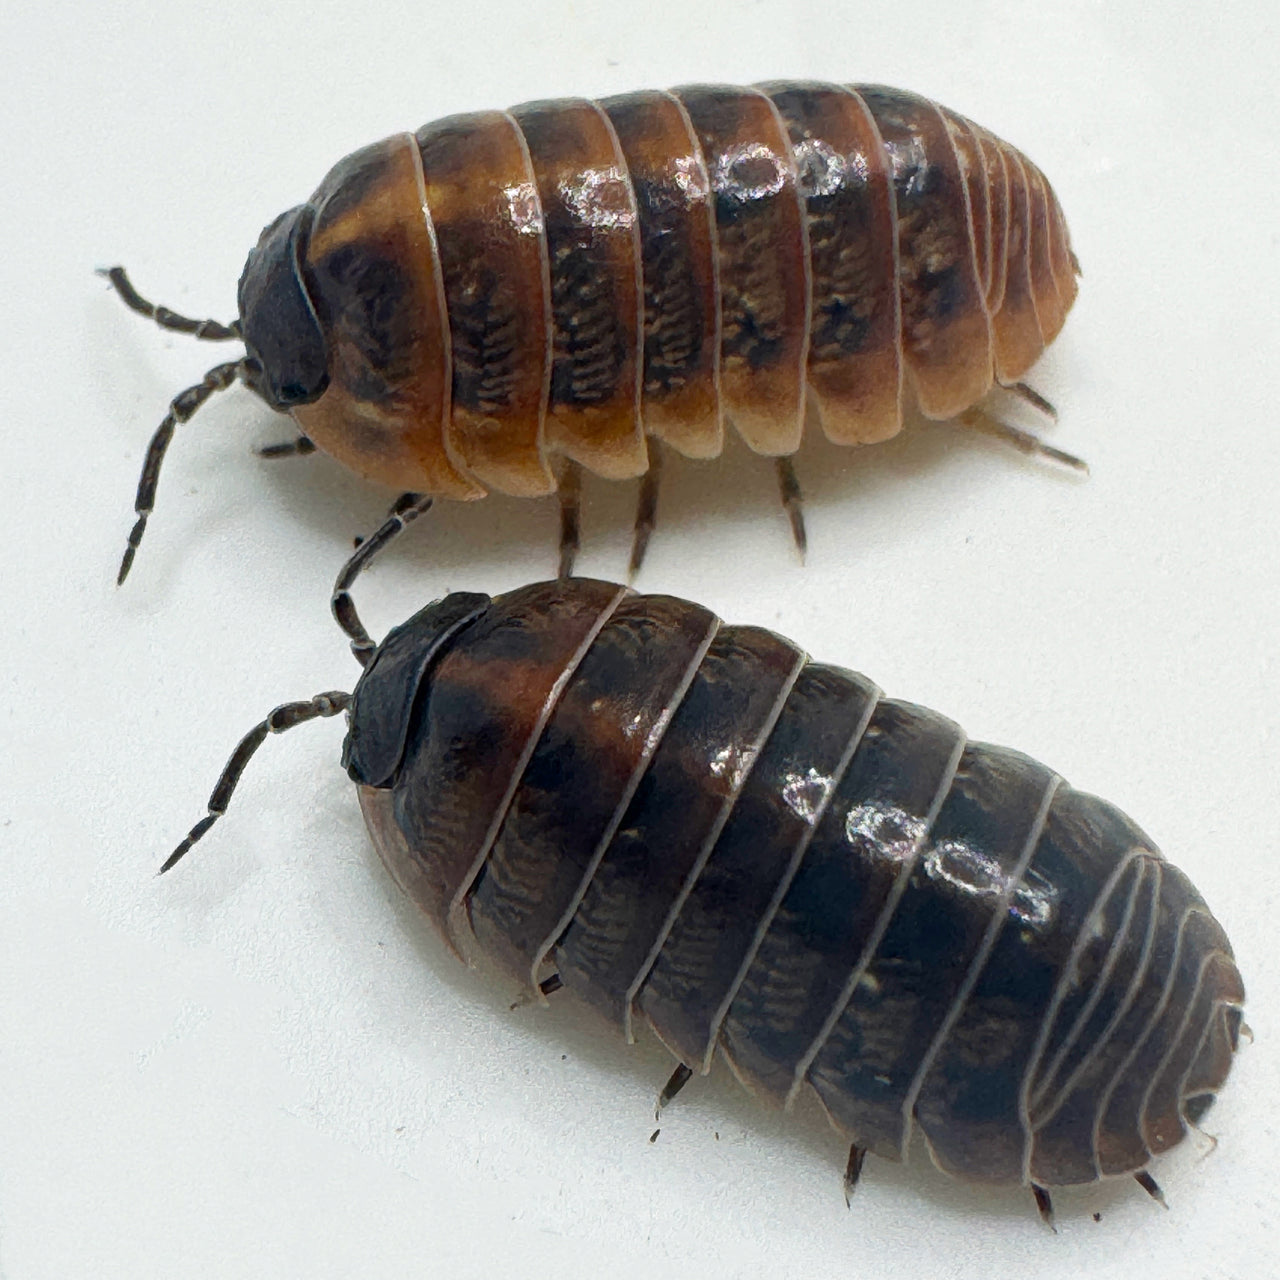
x: 502, y: 297
x: 697, y: 829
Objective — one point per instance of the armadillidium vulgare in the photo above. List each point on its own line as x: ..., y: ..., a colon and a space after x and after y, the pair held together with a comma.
x: 505, y: 297
x: 695, y: 828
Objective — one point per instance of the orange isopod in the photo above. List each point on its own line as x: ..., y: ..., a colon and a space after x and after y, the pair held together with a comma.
x: 504, y: 297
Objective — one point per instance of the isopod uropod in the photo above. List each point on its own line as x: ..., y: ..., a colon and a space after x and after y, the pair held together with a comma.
x: 699, y: 830
x: 504, y: 297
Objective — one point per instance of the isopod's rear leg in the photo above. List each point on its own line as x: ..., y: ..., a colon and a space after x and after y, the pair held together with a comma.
x: 570, y: 493
x: 1044, y: 1206
x: 1023, y: 441
x: 1032, y: 397
x: 1151, y: 1187
x: 679, y: 1078
x: 792, y: 503
x: 298, y: 448
x: 646, y: 508
x: 853, y: 1171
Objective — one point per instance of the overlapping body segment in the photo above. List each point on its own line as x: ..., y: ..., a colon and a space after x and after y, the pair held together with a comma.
x: 697, y: 829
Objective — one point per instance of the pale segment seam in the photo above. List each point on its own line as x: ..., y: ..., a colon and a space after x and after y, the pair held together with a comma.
x: 545, y: 260
x: 895, y: 240
x: 1104, y: 1100
x: 620, y: 160
x: 793, y: 865
x: 654, y: 740
x: 1176, y: 1039
x: 939, y: 111
x: 1000, y: 911
x: 1035, y: 191
x: 883, y: 920
x: 442, y: 305
x: 793, y: 169
x: 1026, y: 1098
x: 1046, y: 1113
x: 713, y: 235
x: 1031, y: 1096
x: 454, y: 911
x: 990, y: 147
x: 1209, y: 1026
x: 709, y: 843
x: 1014, y: 160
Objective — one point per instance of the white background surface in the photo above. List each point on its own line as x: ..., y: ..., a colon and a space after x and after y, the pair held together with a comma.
x: 264, y: 1064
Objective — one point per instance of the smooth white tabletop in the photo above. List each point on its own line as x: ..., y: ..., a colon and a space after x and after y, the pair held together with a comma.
x: 265, y: 1064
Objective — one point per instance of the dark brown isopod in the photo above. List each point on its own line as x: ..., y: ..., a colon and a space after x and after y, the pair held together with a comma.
x: 696, y: 829
x: 504, y: 297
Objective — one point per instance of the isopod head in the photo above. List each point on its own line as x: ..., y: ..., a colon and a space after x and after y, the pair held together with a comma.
x: 287, y: 361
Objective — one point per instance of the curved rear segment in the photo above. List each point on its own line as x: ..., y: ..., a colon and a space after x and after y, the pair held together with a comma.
x: 1033, y: 280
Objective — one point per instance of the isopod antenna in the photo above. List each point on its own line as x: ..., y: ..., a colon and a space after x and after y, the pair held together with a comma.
x: 284, y: 717
x: 407, y: 508
x: 404, y: 511
x: 181, y: 407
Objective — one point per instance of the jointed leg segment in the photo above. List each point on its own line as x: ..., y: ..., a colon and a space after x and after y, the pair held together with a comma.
x: 404, y: 511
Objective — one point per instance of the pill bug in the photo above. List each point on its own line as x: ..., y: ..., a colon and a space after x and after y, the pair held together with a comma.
x: 697, y: 829
x: 503, y: 298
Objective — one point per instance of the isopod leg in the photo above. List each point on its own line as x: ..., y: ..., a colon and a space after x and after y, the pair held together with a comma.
x: 1032, y: 397
x: 853, y: 1171
x: 1023, y: 441
x: 298, y: 448
x: 406, y: 509
x: 570, y: 491
x: 1044, y: 1206
x: 792, y: 503
x: 646, y: 509
x: 1151, y: 1187
x: 679, y: 1078
x: 209, y: 330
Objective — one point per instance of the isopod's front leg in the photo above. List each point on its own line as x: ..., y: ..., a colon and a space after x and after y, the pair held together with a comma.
x: 298, y: 448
